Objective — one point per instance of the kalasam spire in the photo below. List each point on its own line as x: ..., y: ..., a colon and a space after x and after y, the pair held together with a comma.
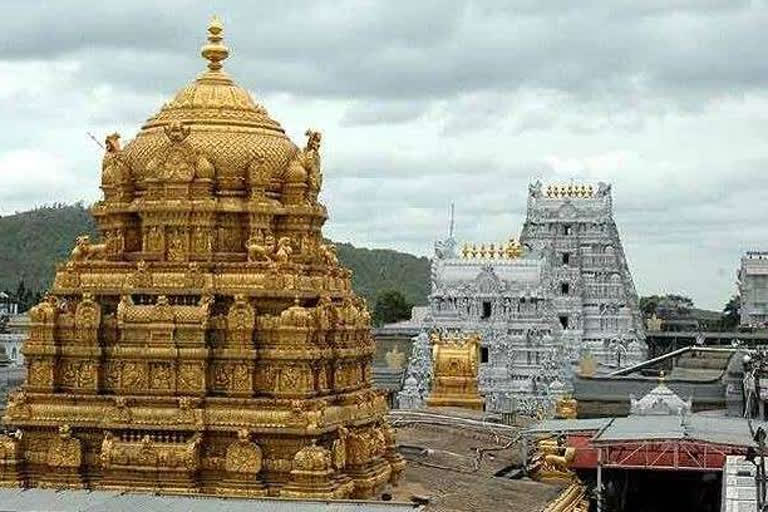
x: 215, y: 52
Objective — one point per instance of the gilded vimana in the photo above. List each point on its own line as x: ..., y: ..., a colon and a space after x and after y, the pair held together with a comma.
x: 211, y: 342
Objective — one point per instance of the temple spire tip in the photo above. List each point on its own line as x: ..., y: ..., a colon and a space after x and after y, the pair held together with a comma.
x: 215, y: 51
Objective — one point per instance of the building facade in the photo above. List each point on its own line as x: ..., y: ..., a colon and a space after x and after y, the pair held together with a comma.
x: 753, y: 289
x: 562, y: 293
x: 12, y: 335
x: 13, y: 328
x: 500, y: 293
x: 8, y: 306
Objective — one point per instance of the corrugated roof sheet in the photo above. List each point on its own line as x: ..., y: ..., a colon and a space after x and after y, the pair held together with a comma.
x: 36, y: 500
x: 577, y: 425
x: 634, y: 428
x: 710, y: 429
x: 696, y: 427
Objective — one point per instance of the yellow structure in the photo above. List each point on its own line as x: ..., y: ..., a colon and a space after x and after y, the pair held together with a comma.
x: 563, y: 191
x: 550, y: 462
x: 211, y: 343
x: 566, y: 408
x: 573, y: 498
x: 509, y: 250
x: 454, y: 370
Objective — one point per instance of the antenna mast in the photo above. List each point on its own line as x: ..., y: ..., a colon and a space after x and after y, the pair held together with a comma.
x: 450, y: 229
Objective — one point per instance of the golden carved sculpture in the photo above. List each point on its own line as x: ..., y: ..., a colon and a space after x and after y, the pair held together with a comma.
x: 11, y: 459
x: 566, y: 408
x: 211, y: 342
x: 573, y: 498
x: 572, y: 191
x: 551, y: 460
x: 509, y: 250
x: 455, y: 369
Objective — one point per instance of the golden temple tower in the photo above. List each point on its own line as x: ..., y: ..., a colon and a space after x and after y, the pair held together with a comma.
x: 211, y: 343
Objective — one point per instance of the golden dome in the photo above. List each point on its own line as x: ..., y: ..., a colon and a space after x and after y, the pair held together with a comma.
x: 225, y: 126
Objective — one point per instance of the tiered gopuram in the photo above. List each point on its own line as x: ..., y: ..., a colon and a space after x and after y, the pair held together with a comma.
x: 591, y: 286
x: 212, y: 342
x: 560, y: 296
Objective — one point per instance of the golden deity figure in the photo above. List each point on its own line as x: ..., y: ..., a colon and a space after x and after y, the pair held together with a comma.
x: 551, y: 461
x: 455, y: 370
x: 567, y: 408
x: 212, y: 338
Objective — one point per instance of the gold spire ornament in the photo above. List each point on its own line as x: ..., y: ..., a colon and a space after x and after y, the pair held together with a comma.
x: 211, y: 336
x: 215, y: 52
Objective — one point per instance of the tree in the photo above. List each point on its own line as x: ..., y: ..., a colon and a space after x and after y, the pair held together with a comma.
x: 732, y: 313
x: 21, y: 292
x: 665, y: 306
x: 649, y: 304
x: 391, y: 306
x: 25, y: 297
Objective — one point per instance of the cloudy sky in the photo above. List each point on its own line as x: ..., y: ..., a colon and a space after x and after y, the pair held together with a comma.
x: 422, y: 103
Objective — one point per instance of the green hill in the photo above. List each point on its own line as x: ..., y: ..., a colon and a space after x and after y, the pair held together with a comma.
x: 379, y: 270
x: 32, y: 242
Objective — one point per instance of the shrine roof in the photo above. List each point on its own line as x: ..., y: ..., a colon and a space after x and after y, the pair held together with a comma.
x: 696, y: 427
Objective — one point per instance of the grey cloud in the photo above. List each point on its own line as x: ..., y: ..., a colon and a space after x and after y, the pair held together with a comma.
x: 382, y: 112
x: 411, y: 49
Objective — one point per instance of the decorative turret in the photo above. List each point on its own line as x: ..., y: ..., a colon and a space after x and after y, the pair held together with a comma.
x: 660, y: 401
x: 509, y: 250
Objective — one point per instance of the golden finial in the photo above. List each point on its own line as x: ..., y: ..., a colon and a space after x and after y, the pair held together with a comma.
x: 214, y: 51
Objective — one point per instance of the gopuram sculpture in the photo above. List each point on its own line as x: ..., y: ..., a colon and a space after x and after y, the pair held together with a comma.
x: 499, y: 294
x: 211, y: 343
x: 560, y: 295
x: 592, y: 290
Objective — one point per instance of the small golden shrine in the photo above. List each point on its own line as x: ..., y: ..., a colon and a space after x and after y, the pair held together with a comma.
x: 211, y: 343
x: 454, y: 371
